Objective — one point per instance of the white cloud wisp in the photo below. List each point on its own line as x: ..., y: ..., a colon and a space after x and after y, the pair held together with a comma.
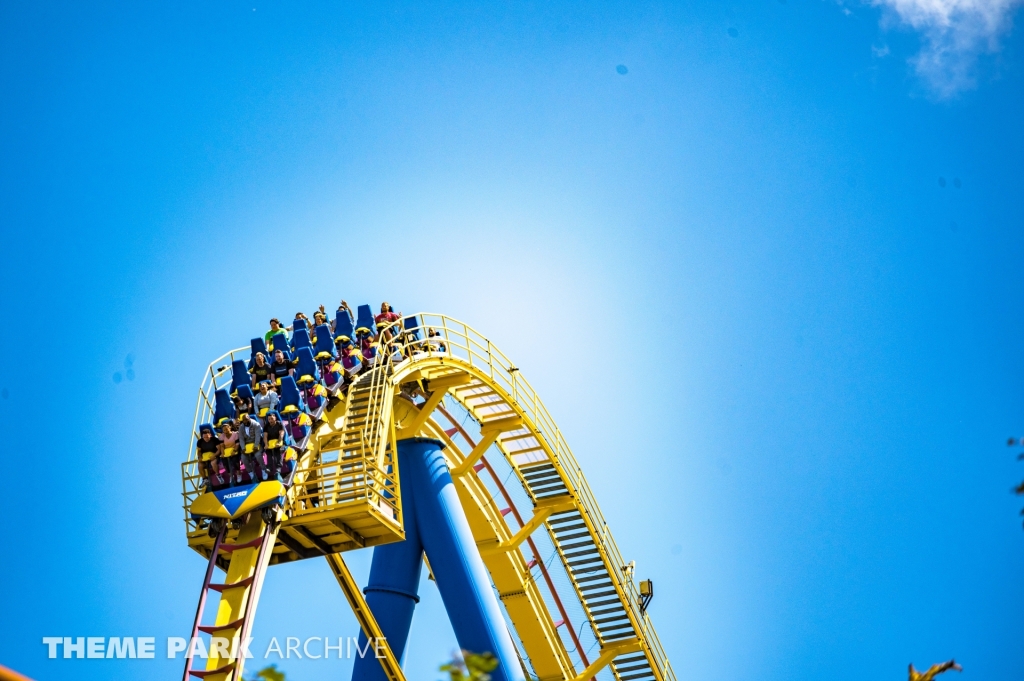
x: 954, y: 34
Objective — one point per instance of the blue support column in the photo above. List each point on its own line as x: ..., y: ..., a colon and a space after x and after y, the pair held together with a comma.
x: 458, y: 569
x: 435, y: 523
x: 392, y: 592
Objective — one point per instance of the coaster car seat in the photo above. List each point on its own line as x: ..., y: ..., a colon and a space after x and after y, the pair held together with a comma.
x: 257, y: 345
x: 291, y: 401
x: 300, y: 339
x: 239, y: 376
x: 343, y: 326
x: 305, y: 368
x: 223, y: 407
x: 323, y: 349
x: 279, y: 341
x: 364, y: 322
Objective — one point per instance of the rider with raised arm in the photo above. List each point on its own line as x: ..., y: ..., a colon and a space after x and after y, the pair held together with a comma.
x: 319, y: 317
x: 343, y: 307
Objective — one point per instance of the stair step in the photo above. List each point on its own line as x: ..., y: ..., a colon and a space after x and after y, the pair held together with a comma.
x: 575, y: 565
x: 593, y: 589
x: 593, y: 578
x: 563, y: 529
x: 566, y: 548
x: 619, y: 668
x: 573, y: 557
x: 603, y: 594
x: 648, y: 674
x: 618, y: 611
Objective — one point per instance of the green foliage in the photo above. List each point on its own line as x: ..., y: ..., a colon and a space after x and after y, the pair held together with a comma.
x: 270, y: 673
x: 471, y: 666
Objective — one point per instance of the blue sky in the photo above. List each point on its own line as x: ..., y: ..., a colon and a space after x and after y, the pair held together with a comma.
x: 767, y: 282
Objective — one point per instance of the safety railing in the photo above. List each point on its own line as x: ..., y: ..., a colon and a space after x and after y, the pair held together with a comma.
x: 217, y: 376
x: 367, y: 473
x: 441, y: 335
x: 376, y: 427
x: 335, y: 479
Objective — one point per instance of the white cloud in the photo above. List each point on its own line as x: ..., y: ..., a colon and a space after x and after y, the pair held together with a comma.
x: 954, y: 34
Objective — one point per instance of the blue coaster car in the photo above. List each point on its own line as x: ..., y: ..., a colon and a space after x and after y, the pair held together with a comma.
x: 351, y: 359
x: 223, y: 408
x: 279, y: 341
x: 239, y: 376
x: 245, y: 392
x: 365, y: 325
x: 258, y: 346
x: 293, y: 412
x: 300, y: 339
x: 234, y: 502
x: 306, y: 368
x: 343, y: 329
x: 323, y: 349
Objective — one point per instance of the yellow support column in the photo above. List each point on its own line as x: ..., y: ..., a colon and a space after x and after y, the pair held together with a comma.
x: 233, y: 603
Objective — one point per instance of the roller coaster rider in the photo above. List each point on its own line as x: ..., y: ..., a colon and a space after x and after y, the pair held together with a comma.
x: 229, y: 454
x: 387, y: 316
x: 367, y: 348
x: 250, y: 443
x: 266, y: 400
x: 281, y: 366
x: 274, y: 441
x: 260, y: 370
x: 349, y: 356
x: 275, y: 328
x: 208, y: 450
x: 319, y: 317
x: 305, y: 319
x: 343, y: 307
x: 243, y: 405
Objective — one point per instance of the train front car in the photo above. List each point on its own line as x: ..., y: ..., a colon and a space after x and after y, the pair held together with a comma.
x: 233, y: 503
